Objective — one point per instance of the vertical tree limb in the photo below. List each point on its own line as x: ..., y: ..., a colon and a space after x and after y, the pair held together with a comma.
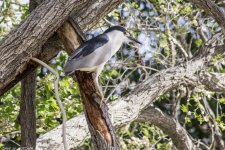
x: 100, y: 126
x: 27, y: 113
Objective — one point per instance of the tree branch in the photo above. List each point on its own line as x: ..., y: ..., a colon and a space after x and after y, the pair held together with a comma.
x: 27, y: 40
x: 31, y: 34
x: 169, y: 126
x: 56, y: 88
x: 212, y: 81
x: 128, y: 108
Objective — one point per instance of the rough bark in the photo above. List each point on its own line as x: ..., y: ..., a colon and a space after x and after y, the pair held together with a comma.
x: 176, y: 132
x: 48, y: 51
x: 31, y: 35
x: 28, y: 39
x: 27, y: 113
x: 128, y: 108
x: 101, y: 129
x: 217, y: 82
x: 102, y: 132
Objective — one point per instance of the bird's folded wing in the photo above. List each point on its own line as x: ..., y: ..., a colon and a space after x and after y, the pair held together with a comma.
x: 89, y: 46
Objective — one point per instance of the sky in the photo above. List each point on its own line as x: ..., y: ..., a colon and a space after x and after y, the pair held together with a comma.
x: 23, y: 1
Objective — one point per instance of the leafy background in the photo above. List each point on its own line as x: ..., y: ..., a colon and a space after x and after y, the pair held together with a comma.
x: 171, y: 33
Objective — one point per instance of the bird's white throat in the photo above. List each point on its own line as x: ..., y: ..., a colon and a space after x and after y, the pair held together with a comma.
x: 116, y: 39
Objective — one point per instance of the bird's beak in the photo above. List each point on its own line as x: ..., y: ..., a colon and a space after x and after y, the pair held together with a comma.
x: 133, y: 39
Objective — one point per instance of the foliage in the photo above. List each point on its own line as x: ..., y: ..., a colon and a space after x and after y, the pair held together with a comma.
x: 143, y: 136
x: 11, y: 13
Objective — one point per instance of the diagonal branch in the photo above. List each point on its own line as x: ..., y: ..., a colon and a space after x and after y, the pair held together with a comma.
x: 28, y: 39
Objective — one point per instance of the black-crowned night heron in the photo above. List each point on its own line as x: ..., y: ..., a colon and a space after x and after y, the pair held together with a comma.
x: 92, y: 55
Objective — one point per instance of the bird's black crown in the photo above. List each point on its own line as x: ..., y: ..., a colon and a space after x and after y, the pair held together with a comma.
x: 119, y: 28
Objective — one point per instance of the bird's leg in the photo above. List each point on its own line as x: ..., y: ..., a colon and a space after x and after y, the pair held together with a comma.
x: 101, y: 94
x: 98, y: 71
x: 99, y: 90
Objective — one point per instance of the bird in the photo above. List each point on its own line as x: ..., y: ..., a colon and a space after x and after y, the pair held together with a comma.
x: 92, y: 55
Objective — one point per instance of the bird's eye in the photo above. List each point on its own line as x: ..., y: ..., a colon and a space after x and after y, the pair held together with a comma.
x: 125, y: 33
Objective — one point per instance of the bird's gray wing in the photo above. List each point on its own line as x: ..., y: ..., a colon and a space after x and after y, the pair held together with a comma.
x: 89, y: 46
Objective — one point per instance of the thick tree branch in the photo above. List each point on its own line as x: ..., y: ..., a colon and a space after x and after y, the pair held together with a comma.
x: 213, y: 81
x: 31, y: 34
x: 49, y: 50
x: 177, y: 133
x: 128, y: 108
x: 28, y: 38
x: 102, y: 132
x: 169, y: 126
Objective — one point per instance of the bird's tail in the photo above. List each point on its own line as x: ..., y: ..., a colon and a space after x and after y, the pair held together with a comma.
x: 69, y: 68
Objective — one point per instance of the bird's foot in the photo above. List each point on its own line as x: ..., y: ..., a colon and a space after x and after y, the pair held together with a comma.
x: 102, y: 101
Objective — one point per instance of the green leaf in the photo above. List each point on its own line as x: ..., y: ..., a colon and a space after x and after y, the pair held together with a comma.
x: 187, y: 120
x: 184, y: 108
x: 222, y: 100
x: 54, y: 105
x: 114, y: 72
x: 198, y: 42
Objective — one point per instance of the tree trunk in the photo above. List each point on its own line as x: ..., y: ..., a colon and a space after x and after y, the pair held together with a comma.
x: 101, y: 129
x: 27, y: 112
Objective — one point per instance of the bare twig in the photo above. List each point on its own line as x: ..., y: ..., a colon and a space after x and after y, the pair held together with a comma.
x: 179, y: 46
x: 57, y: 98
